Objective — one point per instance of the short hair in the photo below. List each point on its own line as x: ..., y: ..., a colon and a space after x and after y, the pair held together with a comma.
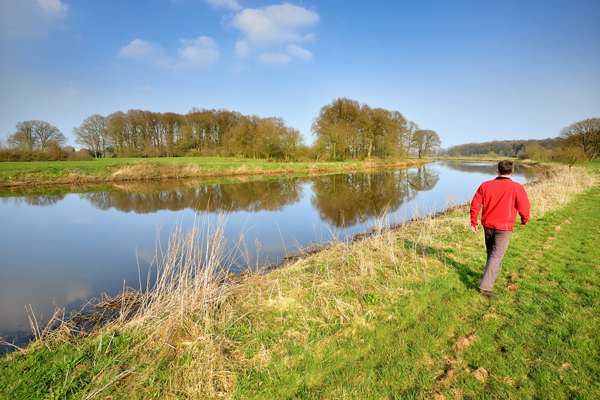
x: 505, y: 167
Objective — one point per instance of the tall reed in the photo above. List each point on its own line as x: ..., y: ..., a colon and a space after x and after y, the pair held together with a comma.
x: 187, y: 309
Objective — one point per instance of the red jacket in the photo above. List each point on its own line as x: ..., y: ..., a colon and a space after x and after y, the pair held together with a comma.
x: 501, y: 200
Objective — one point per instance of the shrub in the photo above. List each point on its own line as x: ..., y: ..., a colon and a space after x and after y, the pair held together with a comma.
x: 193, y: 153
x: 81, y: 155
x: 8, y: 155
x: 56, y: 152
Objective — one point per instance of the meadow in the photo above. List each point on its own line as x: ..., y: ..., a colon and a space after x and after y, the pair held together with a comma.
x: 393, y: 315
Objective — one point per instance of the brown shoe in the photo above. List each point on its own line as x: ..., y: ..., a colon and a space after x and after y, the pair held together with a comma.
x: 488, y: 293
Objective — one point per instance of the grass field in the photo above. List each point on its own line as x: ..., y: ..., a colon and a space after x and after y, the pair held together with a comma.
x: 393, y: 316
x: 14, y: 174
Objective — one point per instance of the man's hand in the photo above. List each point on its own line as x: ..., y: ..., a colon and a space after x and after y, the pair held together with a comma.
x: 474, y: 229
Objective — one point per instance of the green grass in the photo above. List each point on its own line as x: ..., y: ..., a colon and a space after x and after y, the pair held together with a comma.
x: 32, y: 173
x: 423, y: 332
x: 539, y: 339
x: 104, y: 167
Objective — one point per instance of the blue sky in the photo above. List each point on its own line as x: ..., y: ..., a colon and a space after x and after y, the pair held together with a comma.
x: 471, y: 70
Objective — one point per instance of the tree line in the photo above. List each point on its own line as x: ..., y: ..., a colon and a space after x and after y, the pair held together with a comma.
x: 139, y: 133
x: 507, y: 148
x: 577, y: 142
x: 582, y: 137
x: 347, y: 129
x: 343, y: 129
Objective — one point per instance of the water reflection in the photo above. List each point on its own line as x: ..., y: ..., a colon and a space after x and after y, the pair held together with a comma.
x: 41, y: 200
x: 256, y: 196
x: 348, y: 199
x: 342, y: 200
x: 478, y: 168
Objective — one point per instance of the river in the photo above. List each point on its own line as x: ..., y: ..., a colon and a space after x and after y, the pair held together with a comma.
x: 71, y: 244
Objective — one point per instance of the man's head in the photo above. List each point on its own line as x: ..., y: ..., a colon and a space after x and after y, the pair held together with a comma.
x: 505, y: 167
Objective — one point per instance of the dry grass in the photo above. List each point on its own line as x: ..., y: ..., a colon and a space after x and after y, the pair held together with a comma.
x: 316, y: 168
x: 187, y: 310
x: 556, y: 187
x: 183, y: 315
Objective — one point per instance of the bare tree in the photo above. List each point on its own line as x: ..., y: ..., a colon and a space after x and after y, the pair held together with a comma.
x: 378, y: 124
x: 24, y: 138
x: 412, y: 129
x: 401, y: 133
x: 92, y: 133
x: 424, y: 141
x: 585, y: 133
x: 291, y: 141
x: 338, y: 127
x: 45, y: 133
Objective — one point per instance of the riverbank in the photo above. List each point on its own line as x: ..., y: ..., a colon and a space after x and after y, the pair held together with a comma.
x: 392, y: 315
x: 27, y: 174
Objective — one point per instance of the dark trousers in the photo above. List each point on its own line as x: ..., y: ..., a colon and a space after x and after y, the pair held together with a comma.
x: 496, y: 243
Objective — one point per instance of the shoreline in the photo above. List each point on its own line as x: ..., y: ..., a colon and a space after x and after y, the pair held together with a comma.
x: 149, y: 170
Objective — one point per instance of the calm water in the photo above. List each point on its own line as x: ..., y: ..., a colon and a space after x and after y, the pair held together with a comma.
x: 72, y: 247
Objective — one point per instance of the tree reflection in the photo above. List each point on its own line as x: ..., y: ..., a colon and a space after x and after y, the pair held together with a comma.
x: 255, y: 196
x: 42, y: 200
x: 423, y: 178
x: 345, y: 200
x: 486, y: 168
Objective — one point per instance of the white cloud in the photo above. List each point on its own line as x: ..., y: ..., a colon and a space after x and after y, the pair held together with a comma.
x: 274, y: 58
x: 198, y: 52
x: 296, y: 51
x: 53, y: 7
x: 291, y: 51
x: 194, y: 53
x: 242, y: 49
x: 272, y: 25
x: 231, y: 4
x: 142, y: 50
x: 30, y: 18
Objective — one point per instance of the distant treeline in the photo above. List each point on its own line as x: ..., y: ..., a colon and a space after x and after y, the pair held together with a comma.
x: 530, y: 149
x: 344, y: 129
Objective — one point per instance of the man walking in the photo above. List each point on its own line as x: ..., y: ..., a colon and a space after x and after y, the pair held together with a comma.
x: 501, y: 200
